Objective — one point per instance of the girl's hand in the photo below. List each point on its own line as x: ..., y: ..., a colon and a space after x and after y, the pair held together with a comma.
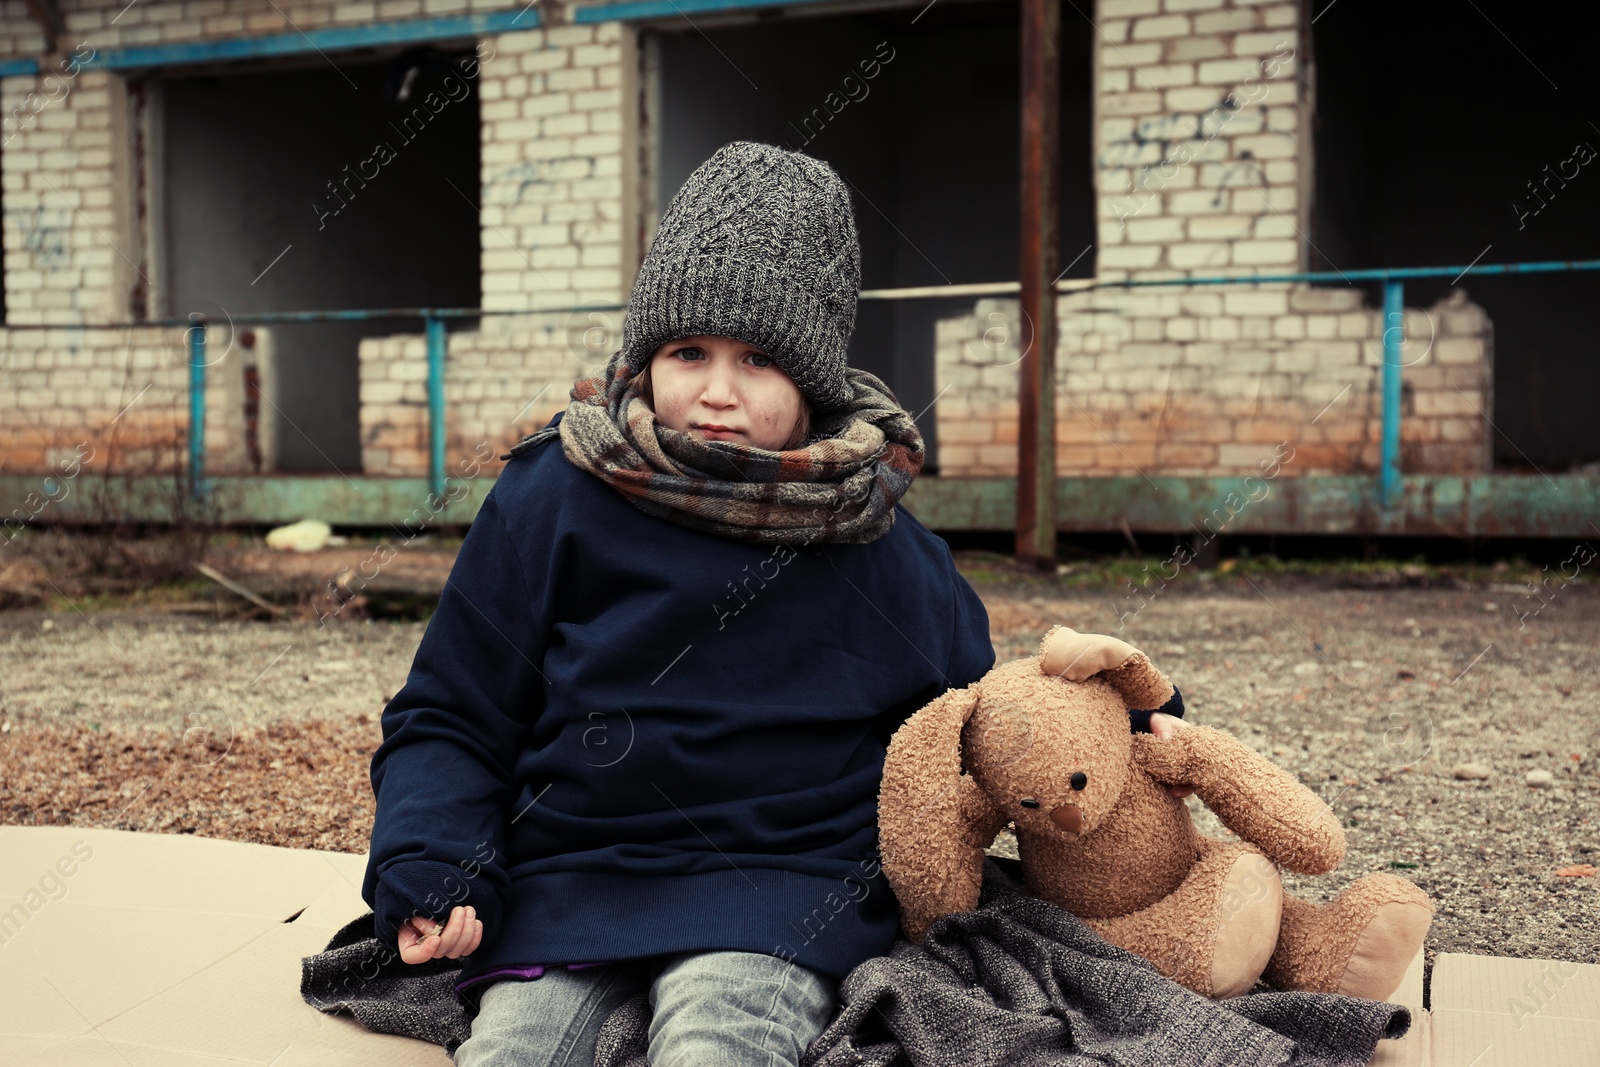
x: 1164, y: 726
x: 423, y: 939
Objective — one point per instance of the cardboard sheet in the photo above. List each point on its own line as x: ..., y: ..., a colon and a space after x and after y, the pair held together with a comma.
x: 1490, y: 1011
x: 123, y: 949
x: 1413, y: 1049
x: 126, y: 950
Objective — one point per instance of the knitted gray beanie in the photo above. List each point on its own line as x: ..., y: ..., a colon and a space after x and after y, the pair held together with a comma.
x: 759, y: 245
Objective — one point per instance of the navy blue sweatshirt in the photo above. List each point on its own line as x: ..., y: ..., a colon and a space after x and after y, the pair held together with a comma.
x: 621, y: 737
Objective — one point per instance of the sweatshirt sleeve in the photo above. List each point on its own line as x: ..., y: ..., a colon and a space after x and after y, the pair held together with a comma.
x: 1139, y: 719
x: 443, y: 776
x: 971, y: 651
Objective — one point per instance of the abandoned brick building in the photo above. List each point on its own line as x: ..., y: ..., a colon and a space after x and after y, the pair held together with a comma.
x: 233, y: 159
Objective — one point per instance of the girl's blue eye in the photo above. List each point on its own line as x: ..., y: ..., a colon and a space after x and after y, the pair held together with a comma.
x: 683, y: 351
x: 759, y: 355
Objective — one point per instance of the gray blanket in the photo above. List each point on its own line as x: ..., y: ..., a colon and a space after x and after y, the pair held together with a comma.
x: 1017, y: 982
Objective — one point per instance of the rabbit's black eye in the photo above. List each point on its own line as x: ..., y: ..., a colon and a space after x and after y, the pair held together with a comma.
x: 1029, y: 802
x: 1079, y: 780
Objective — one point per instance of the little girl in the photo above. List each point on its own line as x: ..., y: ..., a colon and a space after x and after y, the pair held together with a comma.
x: 641, y: 741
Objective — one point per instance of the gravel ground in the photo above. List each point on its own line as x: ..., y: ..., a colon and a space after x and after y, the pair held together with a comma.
x: 262, y: 730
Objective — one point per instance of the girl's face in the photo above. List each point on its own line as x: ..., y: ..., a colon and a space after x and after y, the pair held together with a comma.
x: 719, y: 389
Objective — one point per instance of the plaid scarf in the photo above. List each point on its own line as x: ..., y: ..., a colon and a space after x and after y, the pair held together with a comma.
x: 842, y: 485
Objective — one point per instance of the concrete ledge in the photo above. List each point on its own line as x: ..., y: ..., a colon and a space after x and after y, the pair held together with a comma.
x: 1432, y: 505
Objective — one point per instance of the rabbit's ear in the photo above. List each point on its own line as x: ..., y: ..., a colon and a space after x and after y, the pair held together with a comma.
x: 928, y: 813
x: 1065, y: 653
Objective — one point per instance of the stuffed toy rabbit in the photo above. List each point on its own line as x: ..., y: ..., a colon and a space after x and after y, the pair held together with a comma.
x: 1044, y: 742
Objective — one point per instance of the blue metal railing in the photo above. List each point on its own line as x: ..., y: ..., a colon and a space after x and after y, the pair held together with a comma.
x: 434, y: 319
x: 1393, y: 331
x: 1394, y: 317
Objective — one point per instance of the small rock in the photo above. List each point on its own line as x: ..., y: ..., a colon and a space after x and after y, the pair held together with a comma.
x: 1540, y: 779
x: 1489, y: 605
x: 1471, y: 771
x: 5, y: 728
x: 1279, y: 750
x: 48, y: 624
x: 1177, y: 650
x: 1358, y: 664
x: 1308, y: 667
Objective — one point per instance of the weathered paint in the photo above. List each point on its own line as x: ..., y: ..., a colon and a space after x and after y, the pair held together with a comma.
x: 1039, y: 247
x: 673, y: 9
x: 1394, y: 315
x: 325, y: 39
x: 1485, y: 505
x: 1368, y: 274
x: 197, y: 409
x: 436, y: 351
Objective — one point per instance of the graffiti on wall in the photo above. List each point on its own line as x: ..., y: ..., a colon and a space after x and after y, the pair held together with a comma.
x: 1161, y: 145
x: 45, y: 232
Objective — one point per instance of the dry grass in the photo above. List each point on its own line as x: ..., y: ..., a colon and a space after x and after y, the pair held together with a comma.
x: 295, y: 784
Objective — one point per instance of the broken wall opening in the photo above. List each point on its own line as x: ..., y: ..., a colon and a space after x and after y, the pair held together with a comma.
x: 1439, y: 141
x: 325, y: 183
x: 918, y: 109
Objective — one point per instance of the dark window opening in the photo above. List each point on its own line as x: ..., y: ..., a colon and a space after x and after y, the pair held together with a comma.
x: 316, y: 188
x: 1438, y: 140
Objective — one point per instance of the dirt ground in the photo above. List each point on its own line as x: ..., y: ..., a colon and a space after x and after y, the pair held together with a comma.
x: 178, y: 716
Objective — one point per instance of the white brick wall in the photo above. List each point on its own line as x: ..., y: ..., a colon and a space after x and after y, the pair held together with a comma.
x: 552, y: 168
x: 1197, y: 150
x: 1141, y: 389
x: 125, y: 391
x: 500, y: 383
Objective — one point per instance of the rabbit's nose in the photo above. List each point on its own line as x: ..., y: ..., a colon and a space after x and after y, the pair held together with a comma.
x: 1069, y: 817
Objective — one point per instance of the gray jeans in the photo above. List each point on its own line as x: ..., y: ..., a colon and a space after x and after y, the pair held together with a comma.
x: 708, y: 1009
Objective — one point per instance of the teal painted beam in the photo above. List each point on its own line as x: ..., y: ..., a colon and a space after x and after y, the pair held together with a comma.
x: 1486, y: 505
x: 401, y: 504
x: 665, y: 9
x: 326, y: 39
x: 12, y: 68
